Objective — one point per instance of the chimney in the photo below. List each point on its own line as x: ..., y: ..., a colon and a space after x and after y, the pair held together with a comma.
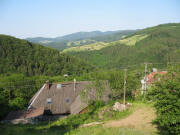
x: 74, y: 84
x: 154, y: 70
x: 47, y: 84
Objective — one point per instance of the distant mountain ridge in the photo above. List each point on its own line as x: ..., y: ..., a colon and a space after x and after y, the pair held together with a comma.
x: 73, y: 36
x: 81, y: 38
x: 84, y: 35
x: 158, y: 44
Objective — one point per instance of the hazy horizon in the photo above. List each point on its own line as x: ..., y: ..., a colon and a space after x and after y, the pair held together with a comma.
x: 55, y: 18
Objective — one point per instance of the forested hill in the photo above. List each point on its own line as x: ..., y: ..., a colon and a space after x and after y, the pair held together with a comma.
x: 72, y: 37
x: 159, y: 44
x: 81, y: 38
x: 21, y: 56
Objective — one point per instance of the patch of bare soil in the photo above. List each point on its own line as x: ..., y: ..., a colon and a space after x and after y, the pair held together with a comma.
x: 141, y: 119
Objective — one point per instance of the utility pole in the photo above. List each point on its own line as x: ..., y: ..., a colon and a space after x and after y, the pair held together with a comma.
x: 167, y: 60
x: 146, y: 64
x: 125, y: 70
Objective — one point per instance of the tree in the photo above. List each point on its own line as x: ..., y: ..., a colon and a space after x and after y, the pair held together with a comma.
x: 166, y: 95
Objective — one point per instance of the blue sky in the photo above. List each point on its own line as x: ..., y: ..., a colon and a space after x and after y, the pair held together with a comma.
x: 51, y: 18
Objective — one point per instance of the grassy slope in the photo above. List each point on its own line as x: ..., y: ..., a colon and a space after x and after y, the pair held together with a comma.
x: 94, y: 46
x: 112, y: 36
x: 99, y: 130
x: 160, y: 44
x: 95, y: 130
x: 130, y: 41
x: 70, y: 126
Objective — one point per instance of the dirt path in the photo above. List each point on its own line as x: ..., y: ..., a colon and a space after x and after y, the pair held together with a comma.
x: 141, y: 119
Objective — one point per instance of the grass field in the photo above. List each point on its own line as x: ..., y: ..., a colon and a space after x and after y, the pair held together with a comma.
x: 80, y: 42
x: 100, y: 130
x: 94, y: 46
x: 130, y: 41
x: 118, y: 123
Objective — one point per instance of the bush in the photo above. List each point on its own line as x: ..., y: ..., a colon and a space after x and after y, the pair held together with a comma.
x: 166, y: 95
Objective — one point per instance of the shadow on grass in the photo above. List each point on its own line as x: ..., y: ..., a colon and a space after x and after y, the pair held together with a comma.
x: 61, y: 126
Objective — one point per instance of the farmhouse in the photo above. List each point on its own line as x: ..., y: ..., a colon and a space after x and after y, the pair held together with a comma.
x: 64, y: 98
x: 150, y: 79
x: 61, y: 99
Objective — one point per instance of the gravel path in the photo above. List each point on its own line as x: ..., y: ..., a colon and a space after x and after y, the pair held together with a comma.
x: 141, y: 119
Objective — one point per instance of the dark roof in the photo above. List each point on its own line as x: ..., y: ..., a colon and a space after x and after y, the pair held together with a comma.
x: 34, y: 112
x: 77, y: 106
x: 81, y: 102
x: 61, y: 99
x: 22, y: 114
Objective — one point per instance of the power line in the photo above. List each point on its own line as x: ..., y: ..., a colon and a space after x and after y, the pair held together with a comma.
x: 25, y: 81
x: 122, y: 68
x: 22, y: 86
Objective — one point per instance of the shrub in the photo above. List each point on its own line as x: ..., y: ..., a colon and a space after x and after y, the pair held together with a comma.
x: 166, y: 95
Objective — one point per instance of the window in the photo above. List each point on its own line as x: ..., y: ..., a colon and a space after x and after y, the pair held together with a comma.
x: 67, y: 100
x: 49, y: 101
x: 59, y: 86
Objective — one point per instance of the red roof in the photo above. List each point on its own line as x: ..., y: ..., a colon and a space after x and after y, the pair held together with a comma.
x: 150, y: 77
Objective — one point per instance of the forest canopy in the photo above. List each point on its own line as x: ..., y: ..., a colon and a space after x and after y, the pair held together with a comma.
x: 21, y: 56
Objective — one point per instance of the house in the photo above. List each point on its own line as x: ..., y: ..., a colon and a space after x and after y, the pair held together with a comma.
x: 59, y: 99
x: 64, y: 98
x: 150, y: 79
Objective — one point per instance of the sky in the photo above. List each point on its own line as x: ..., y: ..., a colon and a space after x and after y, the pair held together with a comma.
x: 52, y: 18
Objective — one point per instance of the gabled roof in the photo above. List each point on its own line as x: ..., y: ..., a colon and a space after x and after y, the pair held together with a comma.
x: 59, y: 99
x: 78, y: 105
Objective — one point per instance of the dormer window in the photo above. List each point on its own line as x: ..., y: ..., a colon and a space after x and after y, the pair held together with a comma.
x: 49, y: 101
x: 59, y: 86
x: 67, y: 100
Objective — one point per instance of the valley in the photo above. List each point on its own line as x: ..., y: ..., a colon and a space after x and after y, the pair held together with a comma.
x: 89, y: 67
x: 122, y: 59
